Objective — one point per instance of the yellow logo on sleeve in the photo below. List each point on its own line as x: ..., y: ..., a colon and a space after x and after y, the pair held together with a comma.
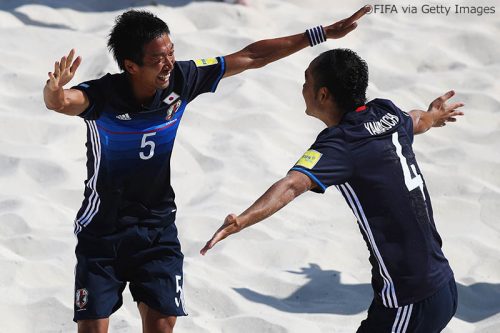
x: 309, y: 159
x: 206, y: 62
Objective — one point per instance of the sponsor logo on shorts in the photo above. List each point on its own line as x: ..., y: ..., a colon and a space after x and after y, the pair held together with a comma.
x: 81, y: 298
x: 206, y: 62
x: 309, y: 159
x: 173, y: 109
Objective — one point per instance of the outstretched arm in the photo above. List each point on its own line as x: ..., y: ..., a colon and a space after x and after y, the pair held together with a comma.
x: 266, y: 51
x: 276, y: 197
x: 68, y: 101
x: 438, y: 114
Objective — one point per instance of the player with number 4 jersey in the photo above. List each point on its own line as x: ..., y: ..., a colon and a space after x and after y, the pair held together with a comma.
x: 366, y: 153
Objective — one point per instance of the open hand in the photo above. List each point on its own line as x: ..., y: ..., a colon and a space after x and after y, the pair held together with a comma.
x: 341, y: 28
x: 442, y: 112
x: 64, y: 71
x: 231, y: 225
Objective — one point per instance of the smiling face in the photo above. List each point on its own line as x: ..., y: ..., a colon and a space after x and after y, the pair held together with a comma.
x: 158, y: 63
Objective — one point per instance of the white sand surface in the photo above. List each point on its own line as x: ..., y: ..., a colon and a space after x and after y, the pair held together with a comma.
x: 304, y: 270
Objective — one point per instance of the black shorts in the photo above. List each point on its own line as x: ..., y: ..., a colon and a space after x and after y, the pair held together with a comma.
x: 149, y: 258
x: 430, y: 315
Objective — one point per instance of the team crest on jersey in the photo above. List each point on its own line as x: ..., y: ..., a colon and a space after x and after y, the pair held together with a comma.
x: 309, y: 159
x: 173, y: 109
x: 206, y: 62
x: 81, y: 298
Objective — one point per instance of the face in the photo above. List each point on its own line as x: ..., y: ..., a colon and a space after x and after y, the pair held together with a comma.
x: 308, y: 92
x: 158, y: 62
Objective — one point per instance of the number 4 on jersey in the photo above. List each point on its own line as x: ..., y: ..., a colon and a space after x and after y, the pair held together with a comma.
x: 411, y: 182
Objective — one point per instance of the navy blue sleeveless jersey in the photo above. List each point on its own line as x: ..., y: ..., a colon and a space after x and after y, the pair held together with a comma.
x: 129, y: 147
x: 368, y: 156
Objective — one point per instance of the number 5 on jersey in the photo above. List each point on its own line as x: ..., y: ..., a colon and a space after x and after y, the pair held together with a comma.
x: 147, y: 146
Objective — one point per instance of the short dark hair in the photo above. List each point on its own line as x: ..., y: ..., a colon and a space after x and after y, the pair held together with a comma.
x: 132, y: 30
x: 345, y: 75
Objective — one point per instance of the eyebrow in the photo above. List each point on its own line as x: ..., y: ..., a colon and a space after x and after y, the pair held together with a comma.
x: 162, y: 53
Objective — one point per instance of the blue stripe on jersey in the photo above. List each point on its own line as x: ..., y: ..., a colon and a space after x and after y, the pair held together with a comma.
x: 310, y: 175
x: 222, y: 71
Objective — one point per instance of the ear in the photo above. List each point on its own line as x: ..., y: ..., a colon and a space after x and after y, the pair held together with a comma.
x: 323, y: 94
x: 130, y: 66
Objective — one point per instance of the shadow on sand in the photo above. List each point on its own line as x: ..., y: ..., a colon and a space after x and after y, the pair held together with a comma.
x: 91, y: 5
x: 324, y: 293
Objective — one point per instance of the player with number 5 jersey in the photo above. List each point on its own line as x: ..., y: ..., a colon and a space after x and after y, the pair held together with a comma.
x: 126, y: 225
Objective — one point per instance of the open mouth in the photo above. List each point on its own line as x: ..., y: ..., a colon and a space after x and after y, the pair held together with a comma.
x: 164, y: 77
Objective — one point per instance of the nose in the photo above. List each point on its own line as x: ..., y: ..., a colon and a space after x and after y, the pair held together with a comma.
x: 169, y: 63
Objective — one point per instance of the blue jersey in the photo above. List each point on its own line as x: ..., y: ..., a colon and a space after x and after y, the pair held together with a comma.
x: 368, y: 156
x: 129, y: 147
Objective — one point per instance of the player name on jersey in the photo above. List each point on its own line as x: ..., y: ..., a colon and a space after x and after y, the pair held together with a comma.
x: 387, y: 122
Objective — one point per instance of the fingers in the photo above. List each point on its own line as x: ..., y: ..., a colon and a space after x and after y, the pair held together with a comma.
x: 359, y: 14
x: 70, y: 56
x: 75, y: 65
x: 456, y: 113
x: 63, y: 63
x: 446, y: 96
x: 229, y: 227
x: 349, y: 28
x: 57, y: 70
x: 211, y: 243
x: 205, y: 249
x: 454, y: 106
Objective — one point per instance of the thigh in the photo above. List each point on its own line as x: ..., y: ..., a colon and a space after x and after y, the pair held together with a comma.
x: 98, y: 289
x: 156, y: 278
x: 93, y: 326
x: 154, y: 321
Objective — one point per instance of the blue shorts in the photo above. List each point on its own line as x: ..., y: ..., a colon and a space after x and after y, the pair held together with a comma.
x: 150, y: 259
x: 430, y: 315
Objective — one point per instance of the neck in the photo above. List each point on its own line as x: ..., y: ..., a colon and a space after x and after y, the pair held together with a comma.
x: 331, y: 115
x: 142, y: 93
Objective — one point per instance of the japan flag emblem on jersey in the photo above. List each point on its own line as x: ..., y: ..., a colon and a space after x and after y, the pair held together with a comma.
x: 172, y: 97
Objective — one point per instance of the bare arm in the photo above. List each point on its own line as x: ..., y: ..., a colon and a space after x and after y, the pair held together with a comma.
x: 276, y: 197
x: 263, y: 52
x: 67, y: 101
x: 437, y: 115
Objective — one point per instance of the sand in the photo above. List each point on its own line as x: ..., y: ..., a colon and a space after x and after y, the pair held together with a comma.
x: 305, y: 269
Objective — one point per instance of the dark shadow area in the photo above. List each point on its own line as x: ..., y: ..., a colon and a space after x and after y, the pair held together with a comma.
x: 478, y: 301
x: 91, y: 5
x: 324, y: 293
x: 28, y: 21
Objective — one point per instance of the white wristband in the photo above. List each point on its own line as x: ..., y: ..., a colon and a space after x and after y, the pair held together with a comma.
x: 316, y: 35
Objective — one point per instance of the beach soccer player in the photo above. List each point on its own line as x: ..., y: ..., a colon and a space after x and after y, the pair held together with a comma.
x: 125, y: 227
x: 366, y: 153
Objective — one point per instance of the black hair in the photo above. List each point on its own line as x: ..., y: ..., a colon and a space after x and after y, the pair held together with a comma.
x: 132, y: 30
x: 344, y: 74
